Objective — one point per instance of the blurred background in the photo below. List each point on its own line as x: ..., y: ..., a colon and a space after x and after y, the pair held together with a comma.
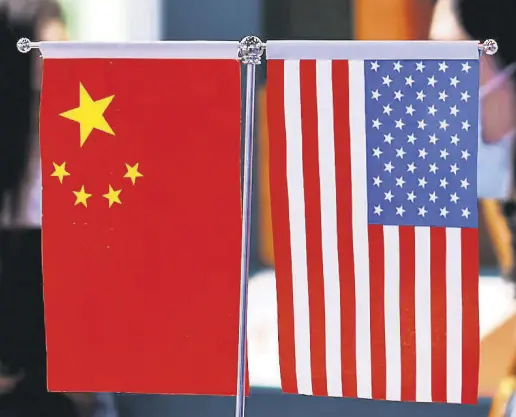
x: 144, y: 20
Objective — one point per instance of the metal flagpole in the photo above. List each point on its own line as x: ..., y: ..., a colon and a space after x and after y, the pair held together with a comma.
x: 250, y: 52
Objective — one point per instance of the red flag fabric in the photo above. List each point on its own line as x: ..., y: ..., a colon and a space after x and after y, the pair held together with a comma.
x: 377, y: 283
x: 141, y: 223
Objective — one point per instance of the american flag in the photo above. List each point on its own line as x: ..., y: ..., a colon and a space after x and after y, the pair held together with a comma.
x: 374, y: 210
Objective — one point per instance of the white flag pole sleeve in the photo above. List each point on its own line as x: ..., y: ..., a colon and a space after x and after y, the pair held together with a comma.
x: 363, y: 50
x: 141, y: 50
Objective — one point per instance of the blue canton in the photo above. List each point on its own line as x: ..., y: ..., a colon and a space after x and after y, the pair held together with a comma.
x: 422, y: 138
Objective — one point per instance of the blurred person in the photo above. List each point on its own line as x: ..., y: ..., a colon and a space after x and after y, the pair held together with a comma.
x: 480, y: 20
x: 497, y: 92
x: 23, y: 389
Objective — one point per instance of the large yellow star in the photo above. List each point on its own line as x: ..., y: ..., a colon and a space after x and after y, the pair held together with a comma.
x: 81, y: 197
x: 89, y: 114
x: 60, y: 171
x: 112, y: 196
x: 132, y: 172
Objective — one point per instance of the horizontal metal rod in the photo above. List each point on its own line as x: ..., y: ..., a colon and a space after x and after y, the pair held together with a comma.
x: 489, y: 46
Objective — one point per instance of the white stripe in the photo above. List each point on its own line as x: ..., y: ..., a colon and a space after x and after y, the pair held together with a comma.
x: 453, y: 315
x: 330, y: 256
x: 142, y: 50
x: 423, y: 316
x: 391, y: 238
x: 360, y: 231
x: 376, y: 50
x: 296, y: 205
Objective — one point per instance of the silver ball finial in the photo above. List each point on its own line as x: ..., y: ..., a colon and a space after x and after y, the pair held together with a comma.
x: 24, y: 45
x: 251, y: 50
x: 490, y: 46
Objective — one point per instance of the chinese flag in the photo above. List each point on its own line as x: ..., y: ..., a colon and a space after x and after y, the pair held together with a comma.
x: 141, y: 224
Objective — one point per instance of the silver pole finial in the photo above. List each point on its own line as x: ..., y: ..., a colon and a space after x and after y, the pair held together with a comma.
x: 489, y: 47
x: 24, y: 45
x: 251, y: 50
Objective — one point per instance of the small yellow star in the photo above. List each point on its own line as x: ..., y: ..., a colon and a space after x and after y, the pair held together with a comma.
x: 132, y: 172
x: 60, y: 171
x: 89, y: 114
x: 112, y: 196
x: 82, y: 196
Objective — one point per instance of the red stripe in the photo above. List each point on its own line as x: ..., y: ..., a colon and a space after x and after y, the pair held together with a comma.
x: 340, y: 78
x: 281, y: 224
x: 470, y: 325
x: 312, y: 191
x: 438, y: 311
x: 408, y: 312
x: 377, y: 306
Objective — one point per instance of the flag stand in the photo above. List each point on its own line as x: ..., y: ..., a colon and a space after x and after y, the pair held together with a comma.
x: 250, y: 52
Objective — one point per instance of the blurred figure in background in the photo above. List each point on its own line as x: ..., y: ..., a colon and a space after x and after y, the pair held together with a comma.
x: 23, y: 390
x: 480, y: 20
